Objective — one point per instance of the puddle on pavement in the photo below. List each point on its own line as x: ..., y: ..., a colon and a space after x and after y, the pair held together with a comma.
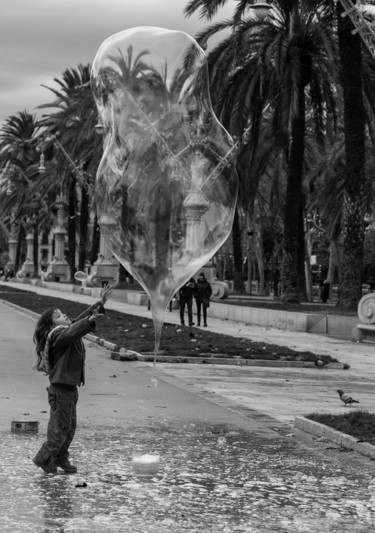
x: 210, y: 480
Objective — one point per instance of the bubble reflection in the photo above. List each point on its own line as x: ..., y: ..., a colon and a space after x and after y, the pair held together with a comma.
x: 166, y: 187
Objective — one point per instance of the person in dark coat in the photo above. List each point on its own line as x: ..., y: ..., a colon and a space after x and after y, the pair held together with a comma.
x: 61, y: 355
x: 185, y: 295
x: 325, y: 290
x: 203, y: 292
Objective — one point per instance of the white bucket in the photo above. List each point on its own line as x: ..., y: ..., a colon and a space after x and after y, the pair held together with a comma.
x: 146, y: 465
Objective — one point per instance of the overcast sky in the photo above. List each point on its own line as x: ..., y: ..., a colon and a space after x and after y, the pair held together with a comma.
x: 39, y: 39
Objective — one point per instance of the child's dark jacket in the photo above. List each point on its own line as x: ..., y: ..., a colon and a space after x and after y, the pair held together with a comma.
x: 67, y: 352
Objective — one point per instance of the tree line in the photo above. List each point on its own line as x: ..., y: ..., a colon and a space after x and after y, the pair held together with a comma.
x: 295, y: 91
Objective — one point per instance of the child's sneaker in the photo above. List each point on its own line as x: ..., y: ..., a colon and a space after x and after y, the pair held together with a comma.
x: 49, y: 467
x: 67, y: 466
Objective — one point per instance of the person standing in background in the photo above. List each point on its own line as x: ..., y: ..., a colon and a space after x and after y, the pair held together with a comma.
x: 203, y: 292
x: 185, y: 295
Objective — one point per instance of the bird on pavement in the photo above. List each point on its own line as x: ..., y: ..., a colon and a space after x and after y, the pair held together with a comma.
x: 346, y: 398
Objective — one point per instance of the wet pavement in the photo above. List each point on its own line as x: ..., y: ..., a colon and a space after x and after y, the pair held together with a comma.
x: 211, y: 479
x: 229, y: 461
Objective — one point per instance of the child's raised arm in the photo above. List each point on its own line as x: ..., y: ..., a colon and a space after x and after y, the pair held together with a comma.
x: 106, y: 293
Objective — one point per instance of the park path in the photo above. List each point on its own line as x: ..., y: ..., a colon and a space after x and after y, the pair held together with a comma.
x: 227, y: 464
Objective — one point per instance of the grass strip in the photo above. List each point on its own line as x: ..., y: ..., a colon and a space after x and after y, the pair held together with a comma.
x: 357, y: 423
x: 136, y: 333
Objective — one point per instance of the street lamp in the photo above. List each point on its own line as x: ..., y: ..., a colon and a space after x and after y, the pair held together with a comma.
x: 57, y: 143
x: 99, y: 126
x: 41, y: 167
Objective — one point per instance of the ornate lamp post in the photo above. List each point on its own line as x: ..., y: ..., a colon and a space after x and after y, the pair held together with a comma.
x: 195, y: 206
x: 105, y: 268
x: 58, y: 268
x: 59, y: 265
x: 28, y: 269
x: 12, y: 244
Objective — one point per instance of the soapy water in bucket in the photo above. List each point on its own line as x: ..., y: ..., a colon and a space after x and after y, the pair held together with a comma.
x: 166, y: 187
x: 146, y: 465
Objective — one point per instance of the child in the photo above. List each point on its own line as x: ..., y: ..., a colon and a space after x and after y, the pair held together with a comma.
x: 61, y: 354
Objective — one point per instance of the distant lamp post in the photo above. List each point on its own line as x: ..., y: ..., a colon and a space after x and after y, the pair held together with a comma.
x: 99, y: 126
x: 6, y: 178
x: 40, y: 148
x: 261, y: 9
x: 12, y: 243
x: 41, y: 167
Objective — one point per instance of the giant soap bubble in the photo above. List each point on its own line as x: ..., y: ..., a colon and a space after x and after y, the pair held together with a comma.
x: 166, y: 186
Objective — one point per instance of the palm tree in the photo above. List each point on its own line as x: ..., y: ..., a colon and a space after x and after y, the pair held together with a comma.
x: 77, y: 151
x: 348, y: 155
x: 18, y: 161
x: 283, y: 63
x: 262, y: 175
x: 354, y: 199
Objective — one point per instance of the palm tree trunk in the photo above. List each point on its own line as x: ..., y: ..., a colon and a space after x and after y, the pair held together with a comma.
x: 84, y: 220
x: 36, y: 248
x: 249, y: 270
x: 95, y: 241
x: 238, y: 285
x: 72, y: 243
x: 302, y: 285
x: 290, y: 274
x: 308, y: 245
x: 20, y: 241
x: 260, y: 262
x: 354, y: 199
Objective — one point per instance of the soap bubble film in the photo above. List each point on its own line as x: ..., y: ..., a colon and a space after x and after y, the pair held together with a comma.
x: 166, y: 186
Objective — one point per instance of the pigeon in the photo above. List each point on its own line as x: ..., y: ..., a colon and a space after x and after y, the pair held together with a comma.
x: 346, y: 398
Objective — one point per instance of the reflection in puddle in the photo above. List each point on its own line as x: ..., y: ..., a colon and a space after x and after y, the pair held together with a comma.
x: 247, y: 483
x: 55, y: 497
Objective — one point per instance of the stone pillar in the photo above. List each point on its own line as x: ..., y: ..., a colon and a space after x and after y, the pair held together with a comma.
x: 195, y: 206
x: 105, y: 268
x: 58, y: 269
x: 12, y: 243
x: 104, y: 247
x: 28, y: 265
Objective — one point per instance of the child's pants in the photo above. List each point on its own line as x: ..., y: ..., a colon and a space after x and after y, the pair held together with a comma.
x: 61, y: 426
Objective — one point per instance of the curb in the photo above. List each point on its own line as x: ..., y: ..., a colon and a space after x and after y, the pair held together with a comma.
x: 119, y: 353
x: 123, y: 355
x: 341, y: 439
x: 5, y: 303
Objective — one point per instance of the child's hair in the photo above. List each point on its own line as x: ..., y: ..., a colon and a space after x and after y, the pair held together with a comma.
x: 42, y: 329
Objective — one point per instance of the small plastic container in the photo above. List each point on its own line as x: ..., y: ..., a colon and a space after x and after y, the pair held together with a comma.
x: 146, y: 465
x: 25, y: 426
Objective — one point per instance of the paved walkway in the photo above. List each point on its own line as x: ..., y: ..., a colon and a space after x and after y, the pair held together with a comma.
x: 280, y: 393
x: 229, y: 464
